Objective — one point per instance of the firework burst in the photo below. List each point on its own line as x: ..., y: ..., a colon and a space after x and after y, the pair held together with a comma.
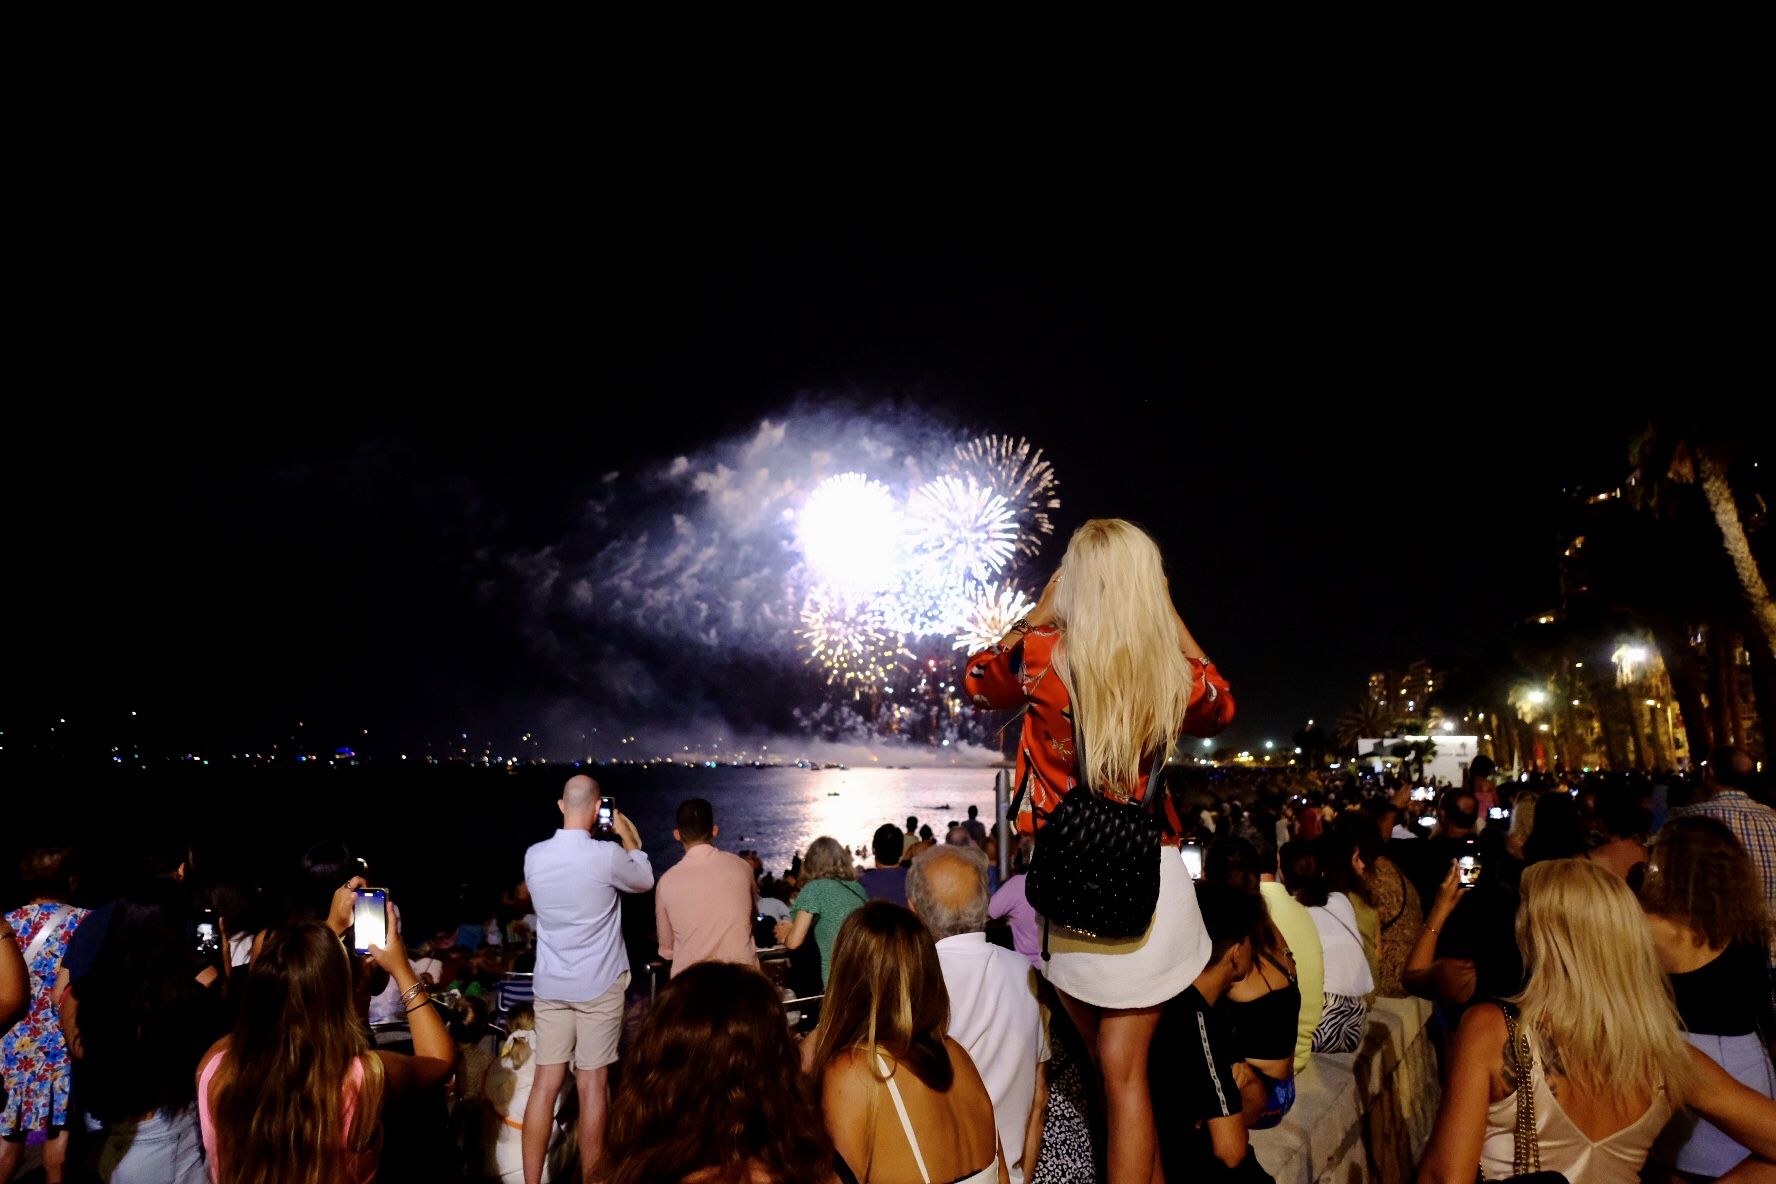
x: 1015, y: 471
x: 849, y: 532
x: 852, y: 644
x: 961, y: 528
x: 991, y: 611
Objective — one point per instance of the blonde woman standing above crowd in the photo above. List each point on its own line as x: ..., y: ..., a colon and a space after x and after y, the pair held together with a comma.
x: 1105, y: 647
x: 1597, y: 1048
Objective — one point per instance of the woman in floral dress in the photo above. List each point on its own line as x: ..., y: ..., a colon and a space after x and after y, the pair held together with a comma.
x: 33, y: 1059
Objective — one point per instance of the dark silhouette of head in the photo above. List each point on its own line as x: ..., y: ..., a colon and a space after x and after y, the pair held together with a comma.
x: 695, y: 821
x: 888, y: 844
x: 715, y: 1081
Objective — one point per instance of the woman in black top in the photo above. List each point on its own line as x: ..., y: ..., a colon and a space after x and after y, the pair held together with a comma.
x: 1706, y: 906
x: 1262, y: 1011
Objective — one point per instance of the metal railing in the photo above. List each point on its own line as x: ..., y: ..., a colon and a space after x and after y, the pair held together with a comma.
x: 657, y: 972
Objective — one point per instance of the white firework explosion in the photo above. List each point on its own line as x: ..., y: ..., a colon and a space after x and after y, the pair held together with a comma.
x: 924, y: 602
x: 849, y: 534
x: 990, y: 613
x: 1014, y: 470
x: 961, y: 528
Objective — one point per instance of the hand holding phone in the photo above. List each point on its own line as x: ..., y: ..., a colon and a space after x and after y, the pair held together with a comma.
x: 370, y: 919
x: 607, y: 816
x: 1469, y: 866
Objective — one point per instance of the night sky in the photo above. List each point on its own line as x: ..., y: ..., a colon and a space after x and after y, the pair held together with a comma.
x: 281, y: 487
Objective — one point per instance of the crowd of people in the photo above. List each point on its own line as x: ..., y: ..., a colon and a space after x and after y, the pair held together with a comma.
x: 1597, y: 949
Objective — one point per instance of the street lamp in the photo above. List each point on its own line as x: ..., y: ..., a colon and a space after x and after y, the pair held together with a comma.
x: 1270, y: 744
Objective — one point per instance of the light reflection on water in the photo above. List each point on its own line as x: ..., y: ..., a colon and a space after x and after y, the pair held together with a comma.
x: 777, y: 812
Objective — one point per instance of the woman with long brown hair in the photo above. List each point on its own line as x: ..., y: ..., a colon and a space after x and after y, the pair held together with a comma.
x: 713, y: 1090
x: 904, y: 1104
x: 1105, y: 654
x: 294, y: 1094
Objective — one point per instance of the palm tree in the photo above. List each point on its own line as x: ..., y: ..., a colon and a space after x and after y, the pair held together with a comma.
x: 1365, y: 717
x: 1725, y: 508
x: 1680, y: 483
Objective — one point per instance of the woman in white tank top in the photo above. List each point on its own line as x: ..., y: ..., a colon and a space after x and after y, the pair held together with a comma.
x: 1579, y: 1073
x: 903, y: 1102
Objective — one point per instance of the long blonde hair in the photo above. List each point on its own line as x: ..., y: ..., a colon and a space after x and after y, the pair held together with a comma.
x: 1119, y: 654
x: 1594, y: 989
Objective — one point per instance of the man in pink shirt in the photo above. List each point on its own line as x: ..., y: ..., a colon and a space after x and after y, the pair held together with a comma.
x: 704, y: 905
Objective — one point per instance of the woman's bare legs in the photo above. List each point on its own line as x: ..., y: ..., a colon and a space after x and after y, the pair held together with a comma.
x: 1119, y: 1040
x: 55, y: 1156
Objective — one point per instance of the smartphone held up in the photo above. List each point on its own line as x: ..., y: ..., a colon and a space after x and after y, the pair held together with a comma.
x: 1193, y: 859
x: 607, y: 817
x: 207, y: 934
x: 369, y: 919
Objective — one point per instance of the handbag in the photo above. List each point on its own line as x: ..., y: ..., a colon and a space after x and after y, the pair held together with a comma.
x: 1526, y: 1145
x: 1096, y: 864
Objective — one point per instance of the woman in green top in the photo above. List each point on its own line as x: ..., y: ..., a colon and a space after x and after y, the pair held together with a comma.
x: 830, y: 893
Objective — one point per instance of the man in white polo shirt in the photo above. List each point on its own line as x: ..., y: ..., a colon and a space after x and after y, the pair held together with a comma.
x: 993, y: 1008
x: 582, y: 966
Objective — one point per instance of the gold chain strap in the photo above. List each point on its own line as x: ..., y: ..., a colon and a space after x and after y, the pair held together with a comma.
x: 1526, y: 1150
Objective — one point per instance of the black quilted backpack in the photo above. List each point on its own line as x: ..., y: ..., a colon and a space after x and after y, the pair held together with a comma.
x: 1096, y: 864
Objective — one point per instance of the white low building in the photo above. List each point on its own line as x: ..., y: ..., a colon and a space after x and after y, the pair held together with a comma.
x: 1448, y: 767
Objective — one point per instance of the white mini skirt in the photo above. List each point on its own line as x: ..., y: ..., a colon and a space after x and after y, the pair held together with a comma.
x: 1136, y: 971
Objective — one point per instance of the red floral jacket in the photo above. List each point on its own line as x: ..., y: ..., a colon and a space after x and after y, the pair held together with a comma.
x: 1021, y: 673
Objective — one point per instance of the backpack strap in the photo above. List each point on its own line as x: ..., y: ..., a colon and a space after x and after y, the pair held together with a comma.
x: 52, y: 921
x: 1159, y: 764
x: 1017, y: 799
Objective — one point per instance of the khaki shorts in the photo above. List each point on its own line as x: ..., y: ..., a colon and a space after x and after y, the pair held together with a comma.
x: 584, y: 1033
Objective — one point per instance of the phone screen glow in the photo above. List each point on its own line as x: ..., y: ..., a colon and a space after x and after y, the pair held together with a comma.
x: 1193, y: 860
x: 370, y: 920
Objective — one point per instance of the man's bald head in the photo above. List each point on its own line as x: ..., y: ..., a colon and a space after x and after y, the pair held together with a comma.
x: 579, y: 802
x: 947, y: 887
